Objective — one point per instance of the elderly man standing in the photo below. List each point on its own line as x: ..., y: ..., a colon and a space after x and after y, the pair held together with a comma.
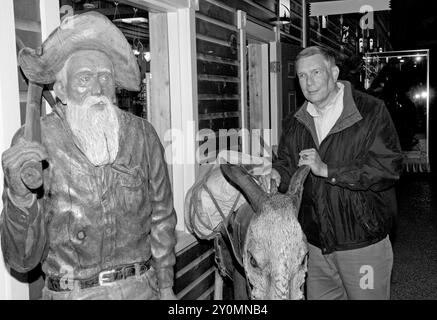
x: 103, y: 222
x: 348, y: 203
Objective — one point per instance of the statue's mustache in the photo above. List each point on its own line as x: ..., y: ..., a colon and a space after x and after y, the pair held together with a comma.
x: 96, y: 100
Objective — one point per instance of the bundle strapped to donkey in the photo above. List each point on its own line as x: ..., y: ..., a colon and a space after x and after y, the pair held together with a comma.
x: 211, y: 204
x: 211, y: 199
x: 263, y: 235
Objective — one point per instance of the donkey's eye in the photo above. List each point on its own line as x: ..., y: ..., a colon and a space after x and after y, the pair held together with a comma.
x: 253, y: 262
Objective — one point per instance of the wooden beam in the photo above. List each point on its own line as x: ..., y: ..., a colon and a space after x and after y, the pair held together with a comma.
x: 183, y: 82
x: 10, y: 288
x: 216, y: 22
x: 160, y: 109
x: 161, y: 5
x: 160, y: 86
x: 242, y: 52
x: 219, y: 115
x: 218, y: 97
x: 193, y: 264
x: 122, y: 12
x: 259, y: 96
x: 276, y: 90
x: 205, y: 286
x: 262, y: 33
x: 221, y: 5
x: 210, y: 58
x: 213, y: 40
x: 254, y: 57
x: 209, y: 77
x: 265, y: 66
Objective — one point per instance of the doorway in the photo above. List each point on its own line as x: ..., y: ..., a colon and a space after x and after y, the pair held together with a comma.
x: 257, y: 90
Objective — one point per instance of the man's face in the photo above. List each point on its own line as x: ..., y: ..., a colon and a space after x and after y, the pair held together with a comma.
x: 317, y: 79
x: 89, y: 73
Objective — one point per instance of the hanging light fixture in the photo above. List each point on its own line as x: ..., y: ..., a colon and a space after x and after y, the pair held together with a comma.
x: 133, y: 20
x: 282, y: 20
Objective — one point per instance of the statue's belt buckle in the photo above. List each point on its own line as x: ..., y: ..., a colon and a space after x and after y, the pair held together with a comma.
x: 104, y: 279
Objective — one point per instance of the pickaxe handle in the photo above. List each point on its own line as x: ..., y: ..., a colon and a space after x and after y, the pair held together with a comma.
x: 31, y: 173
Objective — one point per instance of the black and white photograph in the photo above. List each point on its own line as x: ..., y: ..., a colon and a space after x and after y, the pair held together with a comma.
x: 230, y: 152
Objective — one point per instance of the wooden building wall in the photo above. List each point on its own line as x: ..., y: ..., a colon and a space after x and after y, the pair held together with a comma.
x: 218, y: 62
x: 195, y: 271
x: 217, y: 66
x: 218, y: 46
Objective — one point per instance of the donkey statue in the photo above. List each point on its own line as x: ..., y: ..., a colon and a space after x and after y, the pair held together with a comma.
x: 266, y: 234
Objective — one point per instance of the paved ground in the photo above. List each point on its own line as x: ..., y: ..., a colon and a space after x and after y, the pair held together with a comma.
x: 415, y: 240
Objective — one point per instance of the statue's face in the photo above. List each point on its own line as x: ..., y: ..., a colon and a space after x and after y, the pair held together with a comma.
x: 88, y: 91
x: 89, y: 73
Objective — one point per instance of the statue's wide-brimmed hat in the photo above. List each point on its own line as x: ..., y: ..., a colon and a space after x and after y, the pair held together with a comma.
x: 86, y: 31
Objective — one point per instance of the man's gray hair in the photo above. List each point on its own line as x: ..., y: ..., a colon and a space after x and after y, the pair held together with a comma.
x: 328, y: 55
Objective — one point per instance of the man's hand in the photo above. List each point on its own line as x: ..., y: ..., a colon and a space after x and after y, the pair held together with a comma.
x: 13, y: 161
x: 167, y: 294
x: 311, y: 158
x: 266, y: 181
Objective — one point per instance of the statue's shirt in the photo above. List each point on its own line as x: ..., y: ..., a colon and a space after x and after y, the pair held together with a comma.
x: 95, y: 218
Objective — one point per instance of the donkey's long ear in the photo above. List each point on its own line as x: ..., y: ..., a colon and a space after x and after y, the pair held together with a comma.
x: 295, y: 189
x: 239, y: 176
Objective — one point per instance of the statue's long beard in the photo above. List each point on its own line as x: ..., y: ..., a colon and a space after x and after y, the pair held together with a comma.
x: 96, y: 132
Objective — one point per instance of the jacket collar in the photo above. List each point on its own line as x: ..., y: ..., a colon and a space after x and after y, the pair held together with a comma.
x: 349, y: 116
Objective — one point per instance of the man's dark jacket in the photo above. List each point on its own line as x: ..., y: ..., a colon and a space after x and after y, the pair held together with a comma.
x: 355, y: 205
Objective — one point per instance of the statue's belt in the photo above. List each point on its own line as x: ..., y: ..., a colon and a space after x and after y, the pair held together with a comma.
x: 105, y: 277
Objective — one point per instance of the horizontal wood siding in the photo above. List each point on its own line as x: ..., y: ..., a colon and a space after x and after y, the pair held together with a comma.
x: 218, y: 64
x: 215, y: 11
x: 208, y: 28
x: 209, y: 46
x: 194, y: 272
x: 218, y: 80
x: 219, y: 123
x: 216, y: 106
x: 201, y: 285
x: 209, y: 69
x: 217, y: 87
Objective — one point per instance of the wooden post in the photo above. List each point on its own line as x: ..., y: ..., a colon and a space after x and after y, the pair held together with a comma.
x: 10, y: 288
x: 184, y: 110
x: 241, y: 19
x: 160, y: 113
x: 275, y: 91
x: 259, y: 97
x: 304, y: 24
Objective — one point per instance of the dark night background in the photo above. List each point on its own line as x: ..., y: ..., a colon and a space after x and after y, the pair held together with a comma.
x: 414, y: 237
x: 413, y: 25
